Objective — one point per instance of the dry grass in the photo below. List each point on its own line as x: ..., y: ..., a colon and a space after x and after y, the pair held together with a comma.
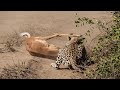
x: 19, y: 71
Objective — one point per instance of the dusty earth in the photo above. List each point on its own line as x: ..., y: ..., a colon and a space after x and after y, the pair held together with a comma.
x: 48, y: 22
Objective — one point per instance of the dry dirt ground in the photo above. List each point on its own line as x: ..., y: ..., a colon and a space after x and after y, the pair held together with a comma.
x: 47, y: 23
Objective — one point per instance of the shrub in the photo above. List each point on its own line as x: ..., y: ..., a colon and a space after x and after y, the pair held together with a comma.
x: 106, y: 53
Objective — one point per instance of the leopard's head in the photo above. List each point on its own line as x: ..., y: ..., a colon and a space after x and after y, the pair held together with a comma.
x: 80, y: 39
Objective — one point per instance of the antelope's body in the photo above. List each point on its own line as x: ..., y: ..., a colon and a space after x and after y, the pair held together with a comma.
x: 38, y: 46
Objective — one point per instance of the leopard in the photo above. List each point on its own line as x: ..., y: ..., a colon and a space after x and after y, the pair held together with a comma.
x: 70, y: 53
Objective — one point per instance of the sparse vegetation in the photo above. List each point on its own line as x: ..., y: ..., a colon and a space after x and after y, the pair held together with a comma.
x: 106, y: 53
x: 12, y: 41
x: 18, y: 71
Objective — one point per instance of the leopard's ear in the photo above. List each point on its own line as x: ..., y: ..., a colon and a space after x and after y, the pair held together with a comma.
x: 69, y: 37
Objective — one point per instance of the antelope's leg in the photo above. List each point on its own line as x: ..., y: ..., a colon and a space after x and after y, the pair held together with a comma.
x: 58, y: 35
x: 50, y: 37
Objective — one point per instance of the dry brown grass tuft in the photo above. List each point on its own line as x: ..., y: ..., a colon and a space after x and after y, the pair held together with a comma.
x: 19, y: 71
x: 12, y: 40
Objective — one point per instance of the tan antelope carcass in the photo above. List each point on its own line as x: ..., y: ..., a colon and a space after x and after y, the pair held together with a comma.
x: 38, y: 46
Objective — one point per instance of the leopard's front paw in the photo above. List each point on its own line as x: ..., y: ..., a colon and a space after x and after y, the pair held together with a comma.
x: 54, y: 65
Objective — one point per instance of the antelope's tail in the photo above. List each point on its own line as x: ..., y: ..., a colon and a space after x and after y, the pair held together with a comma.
x: 25, y: 34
